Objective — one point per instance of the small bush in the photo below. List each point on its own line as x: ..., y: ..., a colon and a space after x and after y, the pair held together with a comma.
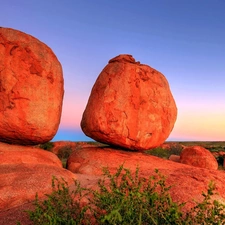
x: 174, y: 149
x: 47, y: 146
x: 133, y: 200
x: 220, y: 160
x: 207, y: 211
x: 61, y: 206
x: 159, y: 152
x: 123, y: 198
x: 64, y: 152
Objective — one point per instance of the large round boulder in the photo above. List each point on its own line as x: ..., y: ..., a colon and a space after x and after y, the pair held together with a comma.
x: 199, y: 157
x: 31, y: 89
x: 130, y: 106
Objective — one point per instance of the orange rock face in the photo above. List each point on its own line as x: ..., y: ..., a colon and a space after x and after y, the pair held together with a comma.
x: 199, y: 157
x: 31, y: 89
x: 188, y: 182
x: 175, y: 158
x: 25, y: 171
x: 130, y: 106
x: 16, y: 154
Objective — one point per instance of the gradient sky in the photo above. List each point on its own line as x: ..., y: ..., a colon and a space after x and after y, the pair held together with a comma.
x: 183, y: 39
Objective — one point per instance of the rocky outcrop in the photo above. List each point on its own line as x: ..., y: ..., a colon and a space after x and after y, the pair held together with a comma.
x: 31, y: 89
x: 175, y: 158
x: 130, y: 106
x: 20, y: 181
x: 16, y: 154
x: 199, y: 157
x: 188, y: 182
x: 25, y: 171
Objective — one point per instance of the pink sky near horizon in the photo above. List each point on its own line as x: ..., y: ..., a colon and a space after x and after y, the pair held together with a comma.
x: 194, y: 121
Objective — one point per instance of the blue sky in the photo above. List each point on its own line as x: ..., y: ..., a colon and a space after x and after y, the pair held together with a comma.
x: 183, y: 39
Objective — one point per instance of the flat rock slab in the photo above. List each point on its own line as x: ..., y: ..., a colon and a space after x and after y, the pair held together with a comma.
x: 17, y: 154
x: 188, y: 181
x: 25, y: 171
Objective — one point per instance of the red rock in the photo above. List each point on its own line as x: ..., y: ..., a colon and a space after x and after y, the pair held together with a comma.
x: 60, y: 145
x: 199, y: 157
x: 188, y: 182
x: 21, y: 182
x: 175, y: 158
x: 15, y: 214
x: 25, y: 171
x: 130, y: 106
x: 16, y: 154
x: 31, y: 89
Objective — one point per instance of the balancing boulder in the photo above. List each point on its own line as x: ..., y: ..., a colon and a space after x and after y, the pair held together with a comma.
x: 130, y: 106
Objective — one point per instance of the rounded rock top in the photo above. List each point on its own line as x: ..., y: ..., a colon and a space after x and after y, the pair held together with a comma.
x: 130, y: 106
x: 31, y: 89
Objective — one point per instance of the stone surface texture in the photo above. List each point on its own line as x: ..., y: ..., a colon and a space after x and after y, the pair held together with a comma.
x: 27, y: 171
x: 130, y: 106
x: 188, y: 182
x: 31, y: 89
x: 175, y: 158
x: 199, y: 157
x: 16, y: 154
x: 20, y: 181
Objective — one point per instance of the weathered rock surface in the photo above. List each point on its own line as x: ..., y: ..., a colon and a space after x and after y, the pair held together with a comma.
x: 25, y: 171
x: 175, y: 158
x: 199, y: 157
x: 188, y: 181
x: 130, y: 106
x: 59, y: 146
x: 16, y: 154
x: 87, y: 162
x: 31, y: 89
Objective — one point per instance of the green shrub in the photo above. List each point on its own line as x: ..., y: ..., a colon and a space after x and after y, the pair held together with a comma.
x: 220, y: 160
x: 159, y: 152
x: 62, y: 206
x: 47, y: 146
x: 174, y: 149
x: 130, y: 199
x: 123, y: 198
x: 208, y: 211
x: 64, y: 152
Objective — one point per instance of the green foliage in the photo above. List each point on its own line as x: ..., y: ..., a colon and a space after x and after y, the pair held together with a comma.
x: 64, y: 153
x: 47, y: 146
x: 207, y: 211
x: 159, y: 152
x: 174, y: 149
x: 133, y: 200
x: 220, y: 160
x: 61, y: 206
x: 123, y: 198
